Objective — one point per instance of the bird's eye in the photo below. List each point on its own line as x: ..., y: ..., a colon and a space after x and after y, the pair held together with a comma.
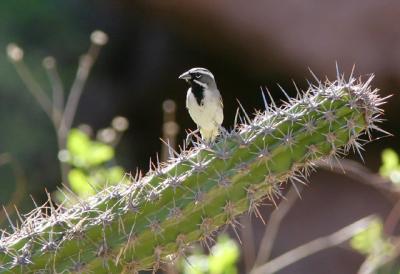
x: 197, y: 75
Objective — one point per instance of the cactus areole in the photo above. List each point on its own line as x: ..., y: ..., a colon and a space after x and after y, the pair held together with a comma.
x: 151, y: 220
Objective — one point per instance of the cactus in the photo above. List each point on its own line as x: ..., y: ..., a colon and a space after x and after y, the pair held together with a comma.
x: 152, y: 219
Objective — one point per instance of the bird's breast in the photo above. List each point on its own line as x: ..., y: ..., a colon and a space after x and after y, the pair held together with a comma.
x: 203, y: 114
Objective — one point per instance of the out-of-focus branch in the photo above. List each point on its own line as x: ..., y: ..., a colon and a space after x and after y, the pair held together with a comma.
x: 313, y: 247
x: 372, y: 264
x: 98, y: 39
x: 272, y: 228
x: 356, y: 171
x: 362, y: 174
x: 392, y: 219
x: 16, y: 55
x: 61, y: 116
x: 113, y: 134
x: 170, y: 128
x: 247, y: 242
x: 50, y: 64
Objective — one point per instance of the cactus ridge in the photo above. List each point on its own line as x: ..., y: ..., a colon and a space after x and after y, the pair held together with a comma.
x: 150, y: 220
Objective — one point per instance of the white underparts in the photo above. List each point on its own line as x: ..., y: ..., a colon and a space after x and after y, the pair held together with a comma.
x: 208, y: 115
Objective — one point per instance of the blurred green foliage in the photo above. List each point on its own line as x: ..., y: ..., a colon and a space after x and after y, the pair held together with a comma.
x: 390, y: 167
x: 91, y: 164
x: 379, y: 251
x: 85, y: 153
x: 371, y: 241
x: 378, y: 248
x: 222, y: 259
x: 40, y: 29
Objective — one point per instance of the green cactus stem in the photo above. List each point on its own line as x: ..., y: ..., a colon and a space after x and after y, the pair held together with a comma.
x: 151, y: 220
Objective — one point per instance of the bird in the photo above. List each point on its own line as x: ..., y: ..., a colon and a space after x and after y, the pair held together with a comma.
x: 204, y: 102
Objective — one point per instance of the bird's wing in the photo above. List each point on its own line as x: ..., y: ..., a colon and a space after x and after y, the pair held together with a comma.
x: 219, y: 115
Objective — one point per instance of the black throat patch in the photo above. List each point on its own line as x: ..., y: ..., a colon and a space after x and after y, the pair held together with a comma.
x: 198, y: 92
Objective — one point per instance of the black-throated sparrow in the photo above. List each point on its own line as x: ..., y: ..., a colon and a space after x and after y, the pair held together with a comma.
x: 204, y: 102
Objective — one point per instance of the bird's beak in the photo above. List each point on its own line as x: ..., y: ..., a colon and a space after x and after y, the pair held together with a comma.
x: 185, y: 76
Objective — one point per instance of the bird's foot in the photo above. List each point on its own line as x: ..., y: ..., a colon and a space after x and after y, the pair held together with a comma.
x: 190, y: 136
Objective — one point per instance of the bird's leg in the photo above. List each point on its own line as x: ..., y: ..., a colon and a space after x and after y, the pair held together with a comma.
x: 191, y: 134
x: 222, y: 131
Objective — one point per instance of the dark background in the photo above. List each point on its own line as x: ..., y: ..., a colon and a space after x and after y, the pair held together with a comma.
x: 246, y: 46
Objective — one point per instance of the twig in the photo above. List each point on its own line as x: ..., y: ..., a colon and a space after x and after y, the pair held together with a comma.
x: 372, y: 263
x: 50, y: 64
x: 248, y: 242
x: 15, y: 54
x: 314, y: 246
x: 85, y: 65
x: 61, y: 117
x: 360, y: 173
x: 392, y: 219
x: 119, y: 125
x: 170, y: 128
x: 272, y: 228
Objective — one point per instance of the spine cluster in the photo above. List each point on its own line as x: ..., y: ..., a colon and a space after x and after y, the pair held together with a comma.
x: 151, y: 220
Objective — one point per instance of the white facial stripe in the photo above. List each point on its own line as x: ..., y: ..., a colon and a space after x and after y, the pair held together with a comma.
x: 204, y: 85
x: 202, y: 71
x: 208, y: 73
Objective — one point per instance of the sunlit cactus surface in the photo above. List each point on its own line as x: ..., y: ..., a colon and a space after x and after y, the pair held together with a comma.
x: 152, y: 219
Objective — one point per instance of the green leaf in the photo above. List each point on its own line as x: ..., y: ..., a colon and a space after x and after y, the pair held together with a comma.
x: 222, y: 259
x: 390, y: 162
x: 390, y: 158
x: 86, y: 153
x: 78, y: 145
x: 224, y: 256
x: 78, y: 142
x: 115, y: 174
x: 390, y: 165
x: 367, y: 241
x: 99, y: 153
x: 79, y: 183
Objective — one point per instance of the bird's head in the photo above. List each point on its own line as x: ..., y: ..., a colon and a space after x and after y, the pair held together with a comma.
x: 200, y: 76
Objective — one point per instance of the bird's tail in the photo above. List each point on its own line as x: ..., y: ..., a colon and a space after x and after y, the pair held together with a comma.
x: 209, y: 135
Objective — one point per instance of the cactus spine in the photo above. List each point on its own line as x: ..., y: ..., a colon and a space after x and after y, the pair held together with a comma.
x: 152, y: 219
